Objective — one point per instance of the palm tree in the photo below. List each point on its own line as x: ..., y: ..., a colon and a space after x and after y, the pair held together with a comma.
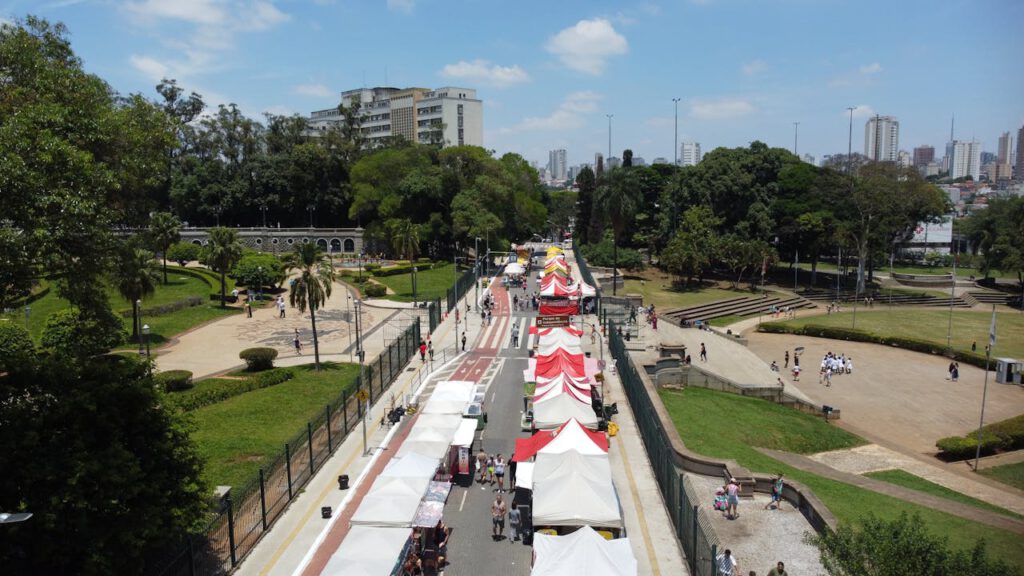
x: 164, y: 230
x: 136, y: 278
x: 313, y: 286
x: 618, y: 197
x: 223, y: 252
x: 405, y: 237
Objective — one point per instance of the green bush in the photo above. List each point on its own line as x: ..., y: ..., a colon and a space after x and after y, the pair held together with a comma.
x: 257, y: 359
x: 16, y: 347
x: 1010, y: 432
x: 404, y: 269
x: 70, y: 332
x: 963, y: 447
x: 603, y: 254
x: 373, y: 290
x: 206, y: 395
x: 371, y: 268
x: 247, y: 271
x: 183, y: 252
x: 174, y: 380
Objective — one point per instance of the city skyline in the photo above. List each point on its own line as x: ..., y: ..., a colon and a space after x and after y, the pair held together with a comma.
x: 549, y: 83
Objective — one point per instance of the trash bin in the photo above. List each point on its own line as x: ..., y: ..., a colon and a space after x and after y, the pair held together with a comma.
x: 325, y: 512
x: 343, y: 482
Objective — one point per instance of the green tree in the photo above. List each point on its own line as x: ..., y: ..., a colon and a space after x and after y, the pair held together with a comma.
x: 164, y: 230
x: 693, y: 248
x: 110, y: 474
x: 740, y: 254
x: 222, y: 253
x: 17, y: 351
x: 183, y: 252
x: 405, y: 238
x: 313, y: 286
x: 586, y: 182
x: 617, y: 198
x: 897, y: 547
x: 70, y: 332
x: 257, y: 269
x: 135, y: 278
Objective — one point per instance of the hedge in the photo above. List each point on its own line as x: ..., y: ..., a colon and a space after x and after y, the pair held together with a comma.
x: 189, y: 302
x: 174, y: 380
x: 257, y: 359
x: 200, y: 397
x: 211, y: 278
x: 1004, y: 435
x: 835, y: 333
x: 373, y: 290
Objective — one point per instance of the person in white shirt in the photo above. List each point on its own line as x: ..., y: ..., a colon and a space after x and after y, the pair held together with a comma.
x: 727, y: 565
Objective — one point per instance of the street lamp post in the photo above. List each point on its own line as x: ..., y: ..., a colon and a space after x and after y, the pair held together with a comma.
x: 263, y: 209
x: 609, y: 116
x: 952, y: 295
x: 259, y: 279
x: 311, y: 209
x: 348, y: 317
x: 849, y: 144
x: 145, y: 335
x: 28, y: 313
x: 796, y: 135
x: 675, y: 142
x: 138, y: 325
x: 476, y: 268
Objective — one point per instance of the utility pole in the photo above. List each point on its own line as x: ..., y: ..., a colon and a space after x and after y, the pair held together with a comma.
x: 796, y: 136
x: 849, y: 144
x: 609, y: 134
x: 675, y: 145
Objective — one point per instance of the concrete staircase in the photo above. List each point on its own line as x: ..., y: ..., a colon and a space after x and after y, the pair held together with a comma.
x: 741, y: 306
x: 884, y: 299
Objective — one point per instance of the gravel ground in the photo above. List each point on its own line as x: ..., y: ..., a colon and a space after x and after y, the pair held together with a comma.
x: 759, y: 538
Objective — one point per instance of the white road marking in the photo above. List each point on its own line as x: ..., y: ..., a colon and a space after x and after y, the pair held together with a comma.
x: 463, y: 503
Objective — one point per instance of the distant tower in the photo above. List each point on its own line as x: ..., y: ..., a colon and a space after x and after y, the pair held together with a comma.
x: 882, y: 139
x: 689, y: 154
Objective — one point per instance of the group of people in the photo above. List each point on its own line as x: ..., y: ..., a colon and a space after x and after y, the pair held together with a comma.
x: 728, y: 566
x: 784, y: 312
x: 426, y: 349
x: 834, y: 364
x: 528, y: 301
x: 428, y: 549
x: 492, y: 470
x: 954, y: 371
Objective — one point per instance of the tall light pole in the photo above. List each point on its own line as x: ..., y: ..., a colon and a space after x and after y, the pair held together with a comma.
x: 796, y: 136
x: 348, y: 316
x: 609, y: 116
x: 675, y: 144
x: 138, y: 326
x: 849, y: 143
x: 476, y: 277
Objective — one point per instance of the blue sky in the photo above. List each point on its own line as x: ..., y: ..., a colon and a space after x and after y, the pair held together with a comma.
x: 549, y: 71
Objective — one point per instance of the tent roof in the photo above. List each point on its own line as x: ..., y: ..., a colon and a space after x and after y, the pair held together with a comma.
x: 531, y: 373
x: 559, y: 361
x: 368, y: 551
x: 450, y: 397
x: 514, y: 268
x: 569, y: 436
x: 466, y: 433
x: 572, y: 489
x: 555, y: 410
x: 391, y: 501
x: 582, y: 552
x: 562, y: 385
x: 412, y: 465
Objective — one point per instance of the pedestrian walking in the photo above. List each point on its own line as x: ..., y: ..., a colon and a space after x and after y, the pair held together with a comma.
x: 463, y: 341
x: 481, y: 465
x: 974, y: 346
x: 512, y: 472
x: 483, y: 316
x: 703, y: 353
x: 499, y: 472
x: 280, y: 306
x: 490, y: 470
x: 786, y: 365
x: 732, y: 494
x: 779, y: 570
x: 298, y: 345
x: 955, y: 374
x: 248, y: 308
x: 515, y: 523
x: 727, y: 565
x: 498, y: 512
x: 490, y: 317
x: 423, y: 351
x: 777, y: 486
x: 430, y: 349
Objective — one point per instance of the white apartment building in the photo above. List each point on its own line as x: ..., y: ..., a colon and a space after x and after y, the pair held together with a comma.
x: 557, y: 165
x: 451, y: 115
x: 965, y: 159
x: 689, y: 154
x: 882, y: 139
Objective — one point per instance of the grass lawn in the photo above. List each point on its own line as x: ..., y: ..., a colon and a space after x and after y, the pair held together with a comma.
x: 235, y: 437
x: 729, y: 426
x: 656, y: 288
x: 932, y: 325
x: 908, y: 480
x: 1012, y: 474
x: 961, y: 271
x: 162, y: 328
x: 430, y: 284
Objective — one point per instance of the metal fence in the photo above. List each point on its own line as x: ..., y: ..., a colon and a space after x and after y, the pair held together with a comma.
x: 248, y: 512
x: 692, y: 527
x: 588, y: 277
x: 462, y: 285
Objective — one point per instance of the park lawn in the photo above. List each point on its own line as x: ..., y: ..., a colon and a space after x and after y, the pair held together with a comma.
x: 430, y: 284
x: 931, y: 325
x: 665, y: 297
x: 908, y: 480
x: 725, y: 425
x: 961, y: 271
x: 235, y: 437
x: 1011, y: 474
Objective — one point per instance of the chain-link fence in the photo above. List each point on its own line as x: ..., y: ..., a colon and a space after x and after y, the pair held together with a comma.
x: 692, y: 527
x: 246, y: 513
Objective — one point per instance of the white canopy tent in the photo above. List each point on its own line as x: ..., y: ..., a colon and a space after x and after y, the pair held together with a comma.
x: 553, y: 410
x: 449, y: 397
x: 582, y: 552
x: 524, y: 475
x: 412, y: 465
x: 514, y: 268
x: 466, y: 433
x: 573, y: 489
x: 391, y: 501
x: 572, y: 438
x: 368, y: 551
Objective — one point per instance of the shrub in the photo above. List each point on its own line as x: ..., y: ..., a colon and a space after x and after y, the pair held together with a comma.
x: 603, y: 254
x: 373, y: 290
x: 174, y: 380
x: 71, y: 332
x: 1010, y: 432
x: 16, y: 347
x: 162, y: 309
x: 257, y: 359
x: 963, y: 447
x: 371, y: 268
x: 247, y: 271
x: 205, y: 396
x: 404, y: 269
x: 183, y: 252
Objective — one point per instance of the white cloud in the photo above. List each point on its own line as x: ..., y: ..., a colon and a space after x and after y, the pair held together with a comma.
x: 278, y: 110
x: 261, y: 16
x: 195, y: 11
x: 872, y: 68
x: 660, y: 122
x: 721, y: 109
x: 568, y: 116
x: 755, y: 67
x: 403, y: 6
x: 482, y: 71
x: 586, y: 46
x: 150, y: 67
x: 313, y: 90
x: 862, y: 111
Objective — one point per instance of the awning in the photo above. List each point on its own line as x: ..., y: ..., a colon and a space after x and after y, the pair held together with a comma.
x: 582, y: 552
x: 573, y: 489
x: 514, y: 268
x: 368, y: 551
x: 391, y: 501
x: 569, y: 436
x: 554, y: 410
x: 466, y: 432
x: 524, y: 475
x: 428, y: 514
x: 449, y: 397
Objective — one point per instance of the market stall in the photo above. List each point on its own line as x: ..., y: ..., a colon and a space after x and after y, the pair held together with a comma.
x: 584, y: 551
x: 574, y: 489
x: 368, y: 551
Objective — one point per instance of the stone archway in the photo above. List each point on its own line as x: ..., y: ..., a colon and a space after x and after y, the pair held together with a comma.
x: 350, y: 245
x: 335, y: 245
x: 321, y: 243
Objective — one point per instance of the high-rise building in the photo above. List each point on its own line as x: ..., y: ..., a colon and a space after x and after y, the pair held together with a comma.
x: 809, y: 159
x: 557, y: 167
x: 1005, y: 154
x: 923, y: 155
x: 1019, y: 174
x: 598, y: 161
x: 612, y: 162
x: 639, y: 161
x: 882, y: 139
x: 689, y: 154
x: 965, y: 159
x: 449, y: 116
x: 903, y: 159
